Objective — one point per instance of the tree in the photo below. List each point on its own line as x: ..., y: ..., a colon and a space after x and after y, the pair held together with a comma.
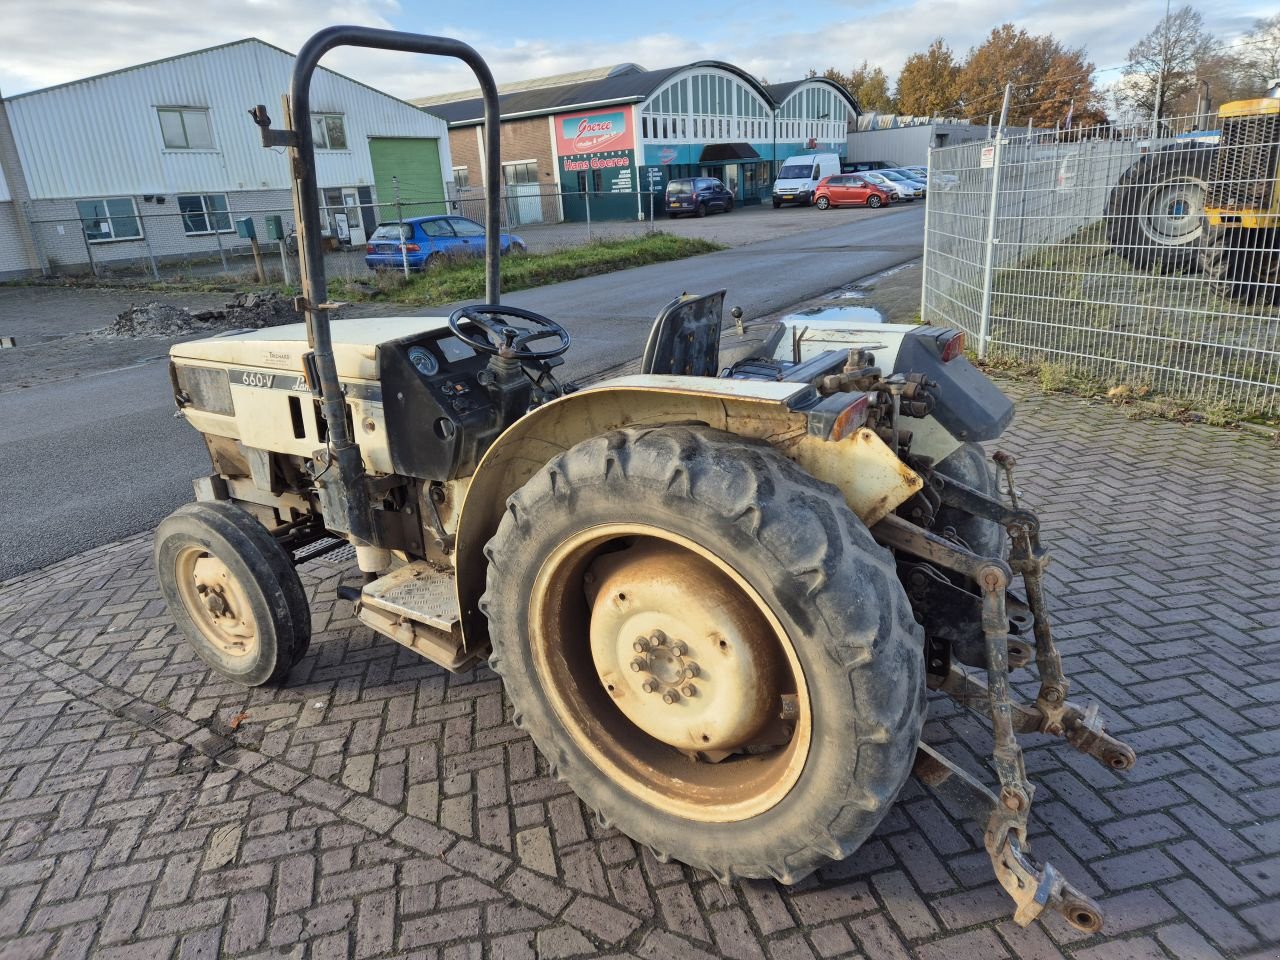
x: 927, y: 83
x: 869, y: 86
x: 1049, y: 80
x: 1259, y: 56
x: 1162, y: 65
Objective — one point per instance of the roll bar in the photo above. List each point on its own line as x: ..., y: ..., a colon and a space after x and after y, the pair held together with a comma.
x: 346, y: 494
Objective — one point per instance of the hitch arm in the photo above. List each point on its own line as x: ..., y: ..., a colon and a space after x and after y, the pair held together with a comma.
x: 1033, y: 888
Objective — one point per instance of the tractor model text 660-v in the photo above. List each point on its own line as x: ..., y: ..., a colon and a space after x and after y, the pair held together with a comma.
x: 716, y: 592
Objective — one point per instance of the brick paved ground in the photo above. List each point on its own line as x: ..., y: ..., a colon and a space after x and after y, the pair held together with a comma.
x: 377, y: 807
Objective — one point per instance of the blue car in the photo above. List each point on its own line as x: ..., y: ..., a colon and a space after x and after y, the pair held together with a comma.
x: 429, y: 240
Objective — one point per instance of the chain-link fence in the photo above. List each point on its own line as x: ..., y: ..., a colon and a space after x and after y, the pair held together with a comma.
x: 1149, y: 261
x: 205, y: 237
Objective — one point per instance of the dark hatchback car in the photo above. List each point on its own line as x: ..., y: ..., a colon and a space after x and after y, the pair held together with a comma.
x: 698, y: 196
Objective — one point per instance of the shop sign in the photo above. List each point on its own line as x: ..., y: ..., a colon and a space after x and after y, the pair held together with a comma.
x: 668, y: 155
x: 593, y: 132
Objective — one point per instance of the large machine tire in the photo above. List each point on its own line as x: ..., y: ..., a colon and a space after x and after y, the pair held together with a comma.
x: 781, y: 550
x: 1244, y: 263
x: 1154, y: 214
x: 233, y: 592
x: 970, y: 466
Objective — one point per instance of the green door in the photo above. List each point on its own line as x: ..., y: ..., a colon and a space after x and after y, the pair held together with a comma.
x: 415, y: 163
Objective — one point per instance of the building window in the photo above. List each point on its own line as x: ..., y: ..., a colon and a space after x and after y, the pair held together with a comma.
x: 110, y: 219
x: 328, y: 131
x: 185, y: 129
x: 204, y: 213
x: 525, y: 171
x: 461, y: 178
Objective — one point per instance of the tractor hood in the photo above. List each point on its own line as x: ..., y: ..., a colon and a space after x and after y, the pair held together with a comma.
x: 355, y: 345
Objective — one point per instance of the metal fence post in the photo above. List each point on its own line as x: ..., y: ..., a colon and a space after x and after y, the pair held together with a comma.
x: 587, y: 195
x: 988, y: 267
x: 217, y: 236
x: 404, y: 252
x: 924, y: 254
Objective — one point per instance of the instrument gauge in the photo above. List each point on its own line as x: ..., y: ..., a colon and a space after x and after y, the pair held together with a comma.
x: 424, y: 361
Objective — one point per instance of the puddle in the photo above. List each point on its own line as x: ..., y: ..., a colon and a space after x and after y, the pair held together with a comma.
x: 840, y: 314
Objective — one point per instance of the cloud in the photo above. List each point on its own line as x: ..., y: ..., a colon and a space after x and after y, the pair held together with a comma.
x: 54, y: 41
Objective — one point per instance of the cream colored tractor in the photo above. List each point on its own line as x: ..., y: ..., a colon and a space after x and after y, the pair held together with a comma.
x: 716, y: 592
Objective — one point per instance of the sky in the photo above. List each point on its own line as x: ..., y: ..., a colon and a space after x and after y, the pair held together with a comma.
x: 53, y: 41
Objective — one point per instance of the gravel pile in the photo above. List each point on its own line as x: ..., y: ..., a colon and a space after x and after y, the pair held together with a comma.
x: 244, y: 311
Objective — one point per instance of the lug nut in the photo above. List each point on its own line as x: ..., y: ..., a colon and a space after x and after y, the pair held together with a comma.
x: 641, y: 645
x: 679, y: 648
x: 689, y: 690
x: 670, y: 697
x: 649, y: 686
x: 638, y: 664
x: 658, y: 638
x: 691, y: 670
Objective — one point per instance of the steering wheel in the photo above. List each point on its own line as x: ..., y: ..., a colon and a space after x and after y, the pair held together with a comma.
x: 506, y: 338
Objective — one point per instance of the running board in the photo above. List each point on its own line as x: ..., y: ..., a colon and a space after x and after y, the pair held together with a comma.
x: 416, y: 605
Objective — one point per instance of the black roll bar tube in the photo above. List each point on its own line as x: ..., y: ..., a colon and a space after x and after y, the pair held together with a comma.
x: 346, y: 452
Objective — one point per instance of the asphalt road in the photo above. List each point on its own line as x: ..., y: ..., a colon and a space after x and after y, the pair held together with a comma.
x: 90, y: 460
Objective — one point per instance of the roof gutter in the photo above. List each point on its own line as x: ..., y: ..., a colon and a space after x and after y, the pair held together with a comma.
x: 617, y: 101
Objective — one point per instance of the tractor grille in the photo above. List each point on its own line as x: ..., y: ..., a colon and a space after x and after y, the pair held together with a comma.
x: 1244, y: 169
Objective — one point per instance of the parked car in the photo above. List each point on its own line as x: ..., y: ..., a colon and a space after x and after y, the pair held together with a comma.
x: 698, y: 196
x: 850, y: 188
x: 906, y: 175
x: 428, y: 240
x: 800, y: 175
x: 860, y: 166
x: 906, y: 189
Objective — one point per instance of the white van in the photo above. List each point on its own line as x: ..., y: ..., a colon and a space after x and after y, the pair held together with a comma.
x: 799, y: 177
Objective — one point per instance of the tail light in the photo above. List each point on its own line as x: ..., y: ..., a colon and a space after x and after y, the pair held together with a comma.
x: 410, y: 247
x: 953, y: 347
x: 836, y: 417
x: 369, y: 249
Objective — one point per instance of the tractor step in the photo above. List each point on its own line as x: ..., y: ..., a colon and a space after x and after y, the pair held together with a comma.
x: 416, y: 605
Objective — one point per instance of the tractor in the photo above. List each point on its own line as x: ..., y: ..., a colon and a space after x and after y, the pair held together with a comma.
x: 1240, y: 248
x: 718, y: 592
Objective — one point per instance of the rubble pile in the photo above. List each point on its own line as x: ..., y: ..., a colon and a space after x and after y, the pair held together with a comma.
x: 245, y: 311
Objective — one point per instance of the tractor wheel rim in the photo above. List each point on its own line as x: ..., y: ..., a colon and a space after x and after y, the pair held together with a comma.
x: 670, y: 672
x: 217, y: 602
x: 1172, y: 212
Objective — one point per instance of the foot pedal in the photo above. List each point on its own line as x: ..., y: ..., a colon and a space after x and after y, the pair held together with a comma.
x: 416, y: 605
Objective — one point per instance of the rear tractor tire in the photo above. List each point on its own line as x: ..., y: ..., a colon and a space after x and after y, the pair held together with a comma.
x: 1155, y: 213
x: 233, y: 592
x: 970, y: 466
x: 709, y: 647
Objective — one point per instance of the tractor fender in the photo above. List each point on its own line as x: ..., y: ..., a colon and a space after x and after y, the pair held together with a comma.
x: 872, y: 479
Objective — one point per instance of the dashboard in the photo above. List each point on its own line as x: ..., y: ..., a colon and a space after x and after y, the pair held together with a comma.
x: 439, y: 417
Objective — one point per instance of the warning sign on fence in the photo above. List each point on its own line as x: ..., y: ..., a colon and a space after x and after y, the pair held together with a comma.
x: 988, y: 156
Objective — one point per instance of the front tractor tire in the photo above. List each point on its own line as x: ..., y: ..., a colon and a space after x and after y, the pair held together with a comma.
x: 233, y: 592
x: 709, y: 647
x: 1243, y: 263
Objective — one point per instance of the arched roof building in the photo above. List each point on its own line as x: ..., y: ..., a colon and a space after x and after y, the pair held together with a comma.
x: 626, y: 130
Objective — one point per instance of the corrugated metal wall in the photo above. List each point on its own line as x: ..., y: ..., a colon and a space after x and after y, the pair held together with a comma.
x: 4, y: 189
x: 101, y: 137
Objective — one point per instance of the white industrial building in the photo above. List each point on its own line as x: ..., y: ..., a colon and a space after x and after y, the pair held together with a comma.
x: 157, y: 161
x: 906, y: 141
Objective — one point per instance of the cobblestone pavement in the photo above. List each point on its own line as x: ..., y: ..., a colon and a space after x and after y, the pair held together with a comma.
x: 377, y: 807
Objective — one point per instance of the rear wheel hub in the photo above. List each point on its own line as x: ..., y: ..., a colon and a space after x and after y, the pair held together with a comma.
x: 683, y: 653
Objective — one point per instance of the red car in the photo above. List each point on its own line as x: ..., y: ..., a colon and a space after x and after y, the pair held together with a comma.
x: 849, y: 188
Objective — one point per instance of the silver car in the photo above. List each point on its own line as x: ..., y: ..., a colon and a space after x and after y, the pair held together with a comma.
x: 906, y: 189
